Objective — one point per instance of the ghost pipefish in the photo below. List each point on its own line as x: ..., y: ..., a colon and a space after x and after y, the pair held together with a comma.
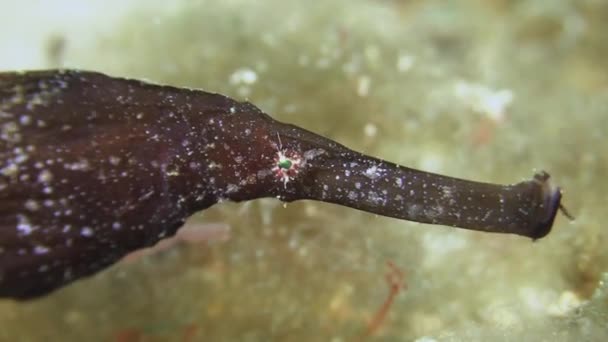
x: 94, y: 167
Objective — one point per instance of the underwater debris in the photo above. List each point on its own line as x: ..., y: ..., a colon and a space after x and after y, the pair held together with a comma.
x: 395, y: 280
x: 188, y: 234
x: 185, y: 333
x: 93, y: 167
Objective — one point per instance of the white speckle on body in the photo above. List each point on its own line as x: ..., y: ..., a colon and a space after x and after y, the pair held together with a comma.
x: 413, y: 210
x: 86, y: 231
x: 399, y: 182
x: 10, y: 170
x: 372, y: 172
x: 23, y: 225
x: 39, y: 249
x: 231, y: 188
x: 81, y: 165
x: 310, y: 154
x: 25, y: 120
x: 31, y: 205
x: 114, y: 160
x: 375, y: 198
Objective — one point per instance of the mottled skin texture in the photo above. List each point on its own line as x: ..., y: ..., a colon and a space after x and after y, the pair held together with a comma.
x: 94, y: 167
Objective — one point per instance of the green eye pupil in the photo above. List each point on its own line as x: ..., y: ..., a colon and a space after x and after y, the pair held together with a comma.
x: 285, y: 164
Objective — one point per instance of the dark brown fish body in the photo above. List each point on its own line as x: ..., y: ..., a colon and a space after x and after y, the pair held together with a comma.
x: 93, y: 167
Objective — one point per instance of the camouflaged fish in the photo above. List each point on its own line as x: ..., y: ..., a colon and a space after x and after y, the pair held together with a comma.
x: 93, y: 167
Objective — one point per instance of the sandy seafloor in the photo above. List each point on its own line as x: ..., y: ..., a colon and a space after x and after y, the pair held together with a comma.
x: 486, y: 90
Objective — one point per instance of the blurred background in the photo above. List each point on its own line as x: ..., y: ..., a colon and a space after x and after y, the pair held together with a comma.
x: 487, y: 90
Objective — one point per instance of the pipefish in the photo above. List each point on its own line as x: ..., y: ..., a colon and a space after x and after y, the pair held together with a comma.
x: 93, y: 167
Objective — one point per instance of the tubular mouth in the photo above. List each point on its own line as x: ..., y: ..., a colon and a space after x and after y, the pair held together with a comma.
x: 551, y: 203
